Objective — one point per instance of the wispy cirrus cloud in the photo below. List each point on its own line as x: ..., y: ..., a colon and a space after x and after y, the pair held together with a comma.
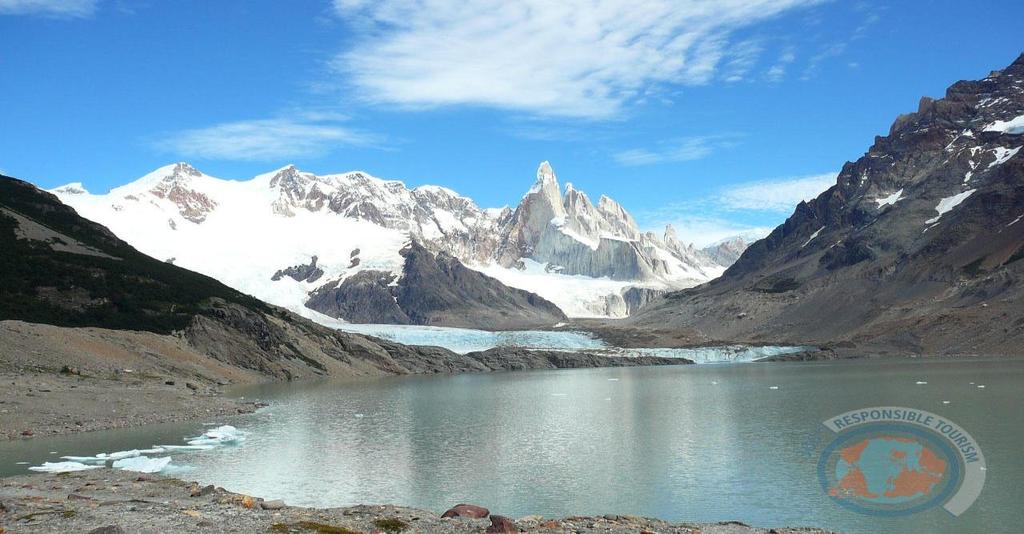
x: 750, y: 209
x: 702, y: 230
x: 49, y: 8
x: 307, y: 134
x: 675, y: 150
x: 778, y: 70
x: 574, y: 58
x: 778, y: 195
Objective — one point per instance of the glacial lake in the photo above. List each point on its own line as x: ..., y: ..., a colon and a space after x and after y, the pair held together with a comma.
x: 700, y: 443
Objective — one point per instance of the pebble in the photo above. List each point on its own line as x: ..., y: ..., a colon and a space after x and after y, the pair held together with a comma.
x: 276, y: 504
x: 502, y: 525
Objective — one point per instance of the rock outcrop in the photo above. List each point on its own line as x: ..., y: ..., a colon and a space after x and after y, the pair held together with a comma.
x: 433, y: 289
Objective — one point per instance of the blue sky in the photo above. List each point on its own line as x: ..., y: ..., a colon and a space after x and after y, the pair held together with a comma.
x: 717, y: 116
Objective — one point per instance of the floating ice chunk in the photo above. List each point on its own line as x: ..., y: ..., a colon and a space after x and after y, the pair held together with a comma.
x: 84, y: 459
x: 142, y: 464
x: 217, y: 436
x: 62, y: 467
x: 104, y: 456
x: 188, y: 447
x: 947, y: 204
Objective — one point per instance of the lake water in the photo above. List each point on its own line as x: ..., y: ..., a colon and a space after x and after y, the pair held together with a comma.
x: 695, y: 443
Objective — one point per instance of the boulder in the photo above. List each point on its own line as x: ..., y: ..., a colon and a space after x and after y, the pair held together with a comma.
x: 272, y: 505
x: 502, y: 525
x: 467, y: 510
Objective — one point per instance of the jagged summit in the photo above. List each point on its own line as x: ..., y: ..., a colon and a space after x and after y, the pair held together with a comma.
x: 178, y: 212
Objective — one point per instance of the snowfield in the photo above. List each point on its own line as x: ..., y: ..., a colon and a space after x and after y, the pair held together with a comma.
x: 243, y: 232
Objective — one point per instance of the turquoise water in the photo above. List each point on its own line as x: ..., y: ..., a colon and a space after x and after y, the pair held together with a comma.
x: 697, y: 443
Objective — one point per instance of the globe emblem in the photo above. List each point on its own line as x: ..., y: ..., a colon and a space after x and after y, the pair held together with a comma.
x: 889, y: 469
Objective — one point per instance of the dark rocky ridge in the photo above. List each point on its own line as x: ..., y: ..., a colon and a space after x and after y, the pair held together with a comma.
x: 433, y: 290
x: 847, y: 266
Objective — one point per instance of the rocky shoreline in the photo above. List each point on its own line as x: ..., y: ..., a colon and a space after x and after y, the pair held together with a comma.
x: 60, y: 380
x: 106, y: 501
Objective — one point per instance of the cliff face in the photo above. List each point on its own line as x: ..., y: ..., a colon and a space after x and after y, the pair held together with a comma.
x: 573, y: 236
x: 915, y: 248
x: 433, y: 290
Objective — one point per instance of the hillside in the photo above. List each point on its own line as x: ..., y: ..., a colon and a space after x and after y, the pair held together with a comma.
x: 916, y: 248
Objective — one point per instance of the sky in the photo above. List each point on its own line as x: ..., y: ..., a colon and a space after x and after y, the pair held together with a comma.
x: 717, y: 116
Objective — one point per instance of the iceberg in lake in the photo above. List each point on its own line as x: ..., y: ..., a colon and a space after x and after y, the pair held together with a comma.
x: 103, y: 457
x: 218, y: 436
x: 142, y: 464
x: 62, y: 467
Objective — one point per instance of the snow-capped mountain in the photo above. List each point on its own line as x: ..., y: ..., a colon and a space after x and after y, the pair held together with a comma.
x: 288, y: 234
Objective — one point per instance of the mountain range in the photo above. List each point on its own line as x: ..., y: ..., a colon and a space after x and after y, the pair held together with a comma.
x: 915, y: 249
x: 74, y: 294
x: 358, y: 248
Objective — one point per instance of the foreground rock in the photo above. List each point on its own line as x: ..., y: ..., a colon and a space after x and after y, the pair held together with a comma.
x: 118, y: 501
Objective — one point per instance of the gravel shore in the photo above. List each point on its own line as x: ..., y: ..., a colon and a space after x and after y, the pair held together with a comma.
x: 105, y: 501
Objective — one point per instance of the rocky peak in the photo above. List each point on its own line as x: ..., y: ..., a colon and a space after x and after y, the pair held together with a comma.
x: 176, y: 183
x: 918, y: 191
x: 74, y: 188
x: 545, y: 195
x: 182, y: 169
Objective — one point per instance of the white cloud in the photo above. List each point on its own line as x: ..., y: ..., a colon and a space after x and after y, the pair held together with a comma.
x: 700, y: 230
x: 778, y: 70
x: 49, y: 8
x: 575, y: 58
x: 675, y: 150
x: 717, y: 216
x: 779, y: 195
x: 305, y: 135
x: 742, y: 57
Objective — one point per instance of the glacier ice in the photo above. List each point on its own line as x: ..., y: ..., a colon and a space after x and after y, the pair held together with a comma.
x: 62, y: 467
x: 142, y: 464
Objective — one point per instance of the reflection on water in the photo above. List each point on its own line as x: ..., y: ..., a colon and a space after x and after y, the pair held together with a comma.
x: 697, y: 443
